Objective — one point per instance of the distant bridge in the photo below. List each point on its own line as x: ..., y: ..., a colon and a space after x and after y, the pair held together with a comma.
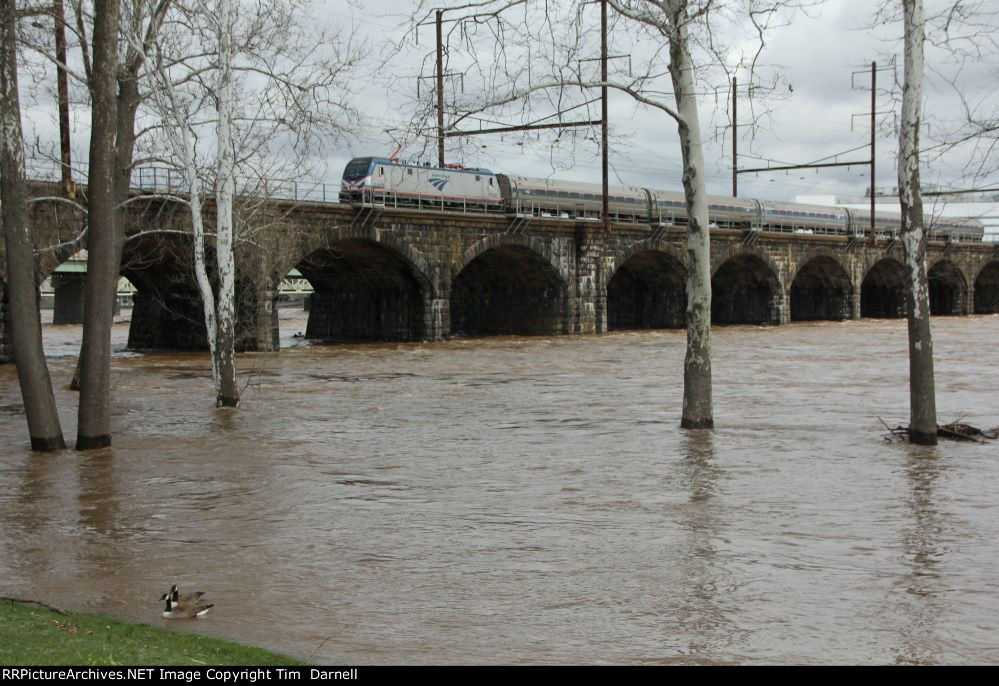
x: 407, y: 275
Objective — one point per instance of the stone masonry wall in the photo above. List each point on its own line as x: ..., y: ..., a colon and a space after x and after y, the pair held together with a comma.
x: 421, y: 276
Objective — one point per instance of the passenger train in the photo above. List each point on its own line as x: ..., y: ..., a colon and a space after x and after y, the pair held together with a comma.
x: 454, y: 188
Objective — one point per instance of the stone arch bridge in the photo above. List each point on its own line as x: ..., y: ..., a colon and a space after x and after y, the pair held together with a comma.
x: 406, y: 275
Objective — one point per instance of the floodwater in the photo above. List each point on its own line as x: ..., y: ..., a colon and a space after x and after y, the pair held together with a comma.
x: 530, y: 500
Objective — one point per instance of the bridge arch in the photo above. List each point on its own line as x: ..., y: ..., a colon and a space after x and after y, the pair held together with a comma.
x: 948, y: 288
x: 882, y: 292
x: 647, y: 289
x: 987, y: 289
x: 746, y: 289
x: 167, y: 313
x: 509, y: 285
x: 6, y: 354
x: 536, y: 246
x: 317, y: 240
x: 365, y: 289
x: 57, y: 225
x: 821, y: 289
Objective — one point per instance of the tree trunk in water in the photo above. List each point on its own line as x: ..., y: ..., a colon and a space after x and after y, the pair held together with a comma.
x: 128, y: 100
x: 177, y: 127
x: 922, y: 395
x: 697, y: 405
x: 103, y: 242
x: 228, y: 393
x: 26, y: 331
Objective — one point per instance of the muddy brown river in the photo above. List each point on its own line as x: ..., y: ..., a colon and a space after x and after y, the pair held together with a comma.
x: 530, y: 500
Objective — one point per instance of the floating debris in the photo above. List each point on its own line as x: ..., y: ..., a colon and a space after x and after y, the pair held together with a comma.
x: 955, y: 431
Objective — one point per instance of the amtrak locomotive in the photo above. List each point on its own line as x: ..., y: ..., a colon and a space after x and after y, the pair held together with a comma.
x: 454, y: 188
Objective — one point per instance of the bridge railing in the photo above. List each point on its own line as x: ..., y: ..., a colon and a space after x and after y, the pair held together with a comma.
x: 168, y: 180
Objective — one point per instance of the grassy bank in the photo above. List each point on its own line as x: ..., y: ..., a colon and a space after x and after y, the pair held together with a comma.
x: 33, y: 635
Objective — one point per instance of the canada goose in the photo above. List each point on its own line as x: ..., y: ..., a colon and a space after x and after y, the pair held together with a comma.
x: 174, y: 611
x: 182, y: 598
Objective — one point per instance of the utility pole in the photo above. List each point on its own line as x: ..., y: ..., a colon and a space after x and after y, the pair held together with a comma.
x: 603, y: 107
x: 735, y: 139
x: 603, y: 121
x: 62, y: 80
x: 872, y: 161
x: 874, y: 94
x: 440, y: 90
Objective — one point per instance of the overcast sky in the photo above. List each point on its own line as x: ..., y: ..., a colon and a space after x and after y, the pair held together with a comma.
x: 822, y: 110
x: 818, y: 113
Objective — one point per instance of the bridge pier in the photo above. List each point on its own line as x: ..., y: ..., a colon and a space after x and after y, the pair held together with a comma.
x: 968, y: 301
x: 161, y: 320
x: 589, y: 303
x: 780, y: 308
x: 438, y: 319
x: 855, y: 301
x: 262, y: 332
x: 68, y: 297
x: 6, y: 353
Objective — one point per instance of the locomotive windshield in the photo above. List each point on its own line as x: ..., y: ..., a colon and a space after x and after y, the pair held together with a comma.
x: 357, y: 168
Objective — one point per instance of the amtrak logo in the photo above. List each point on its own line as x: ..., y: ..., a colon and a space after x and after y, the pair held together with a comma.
x: 438, y: 183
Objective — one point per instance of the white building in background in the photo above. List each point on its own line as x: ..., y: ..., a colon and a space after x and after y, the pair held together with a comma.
x: 984, y: 207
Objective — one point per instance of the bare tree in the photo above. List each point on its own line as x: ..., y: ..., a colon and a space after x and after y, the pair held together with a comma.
x: 672, y: 18
x: 922, y: 396
x: 32, y: 371
x: 963, y: 31
x: 247, y: 82
x: 228, y: 393
x: 104, y: 240
x: 113, y: 139
x: 962, y: 36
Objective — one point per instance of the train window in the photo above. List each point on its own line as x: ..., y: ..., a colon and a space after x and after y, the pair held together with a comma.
x: 381, y: 171
x: 478, y: 178
x: 490, y: 181
x: 409, y: 171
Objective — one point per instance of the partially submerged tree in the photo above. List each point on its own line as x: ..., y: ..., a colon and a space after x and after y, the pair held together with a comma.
x: 107, y: 81
x: 964, y: 33
x: 672, y: 18
x: 922, y: 395
x: 289, y: 88
x: 26, y: 332
x: 251, y: 86
x: 105, y: 235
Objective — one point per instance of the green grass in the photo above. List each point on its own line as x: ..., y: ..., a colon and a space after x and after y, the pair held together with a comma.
x: 34, y: 635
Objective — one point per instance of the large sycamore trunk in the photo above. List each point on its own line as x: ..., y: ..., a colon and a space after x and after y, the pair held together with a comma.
x: 697, y: 404
x: 26, y: 332
x: 103, y: 242
x: 922, y: 394
x: 228, y: 392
